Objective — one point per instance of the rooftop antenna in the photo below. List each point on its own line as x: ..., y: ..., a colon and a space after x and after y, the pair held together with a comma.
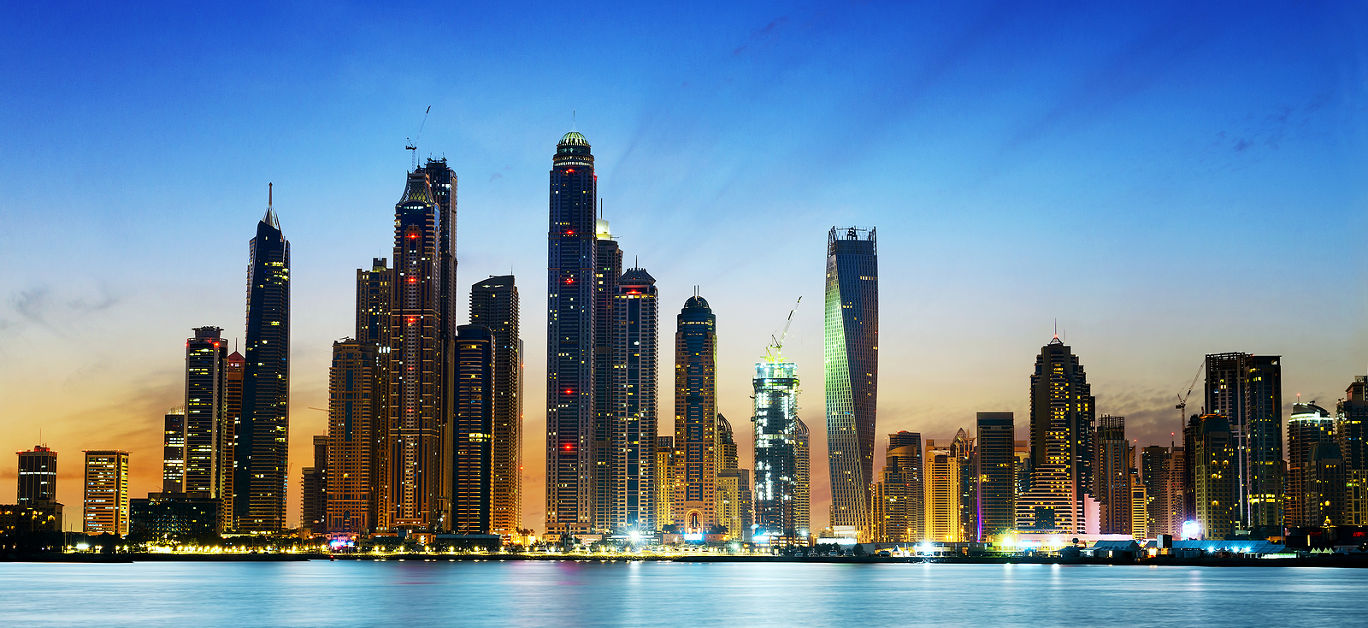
x: 412, y: 144
x: 1056, y: 327
x: 636, y: 262
x: 270, y: 194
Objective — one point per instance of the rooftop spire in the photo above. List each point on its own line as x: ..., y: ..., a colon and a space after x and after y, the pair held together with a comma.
x: 270, y: 217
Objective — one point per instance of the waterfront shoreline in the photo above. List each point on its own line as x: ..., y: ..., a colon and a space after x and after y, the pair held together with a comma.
x: 1325, y: 560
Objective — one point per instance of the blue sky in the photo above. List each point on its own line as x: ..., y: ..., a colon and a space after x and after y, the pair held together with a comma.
x: 1165, y: 180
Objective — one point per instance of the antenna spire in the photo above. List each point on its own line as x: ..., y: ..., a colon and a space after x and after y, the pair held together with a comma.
x: 270, y: 194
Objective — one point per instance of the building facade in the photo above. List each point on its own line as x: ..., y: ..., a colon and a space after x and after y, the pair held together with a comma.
x: 851, y: 368
x: 262, y: 434
x: 1310, y: 445
x: 313, y: 495
x: 606, y: 473
x: 106, y: 492
x: 353, y: 421
x: 494, y: 304
x: 776, y: 447
x: 1351, y: 427
x: 1247, y: 390
x: 995, y: 475
x: 1215, y: 481
x: 695, y: 505
x: 899, y: 499
x: 943, y: 490
x: 1062, y: 424
x: 571, y: 264
x: 1112, y: 472
x: 635, y: 377
x: 206, y: 423
x: 37, y: 477
x: 472, y: 433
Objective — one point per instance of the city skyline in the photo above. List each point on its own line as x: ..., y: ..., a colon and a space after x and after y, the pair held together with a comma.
x: 1137, y: 361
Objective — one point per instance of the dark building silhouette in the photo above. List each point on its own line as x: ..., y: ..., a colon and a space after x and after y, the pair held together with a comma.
x: 995, y: 475
x: 607, y: 270
x: 899, y: 499
x: 965, y: 451
x: 235, y: 371
x: 206, y: 421
x: 174, y: 517
x: 263, y: 433
x: 634, y: 379
x: 494, y: 304
x: 173, y: 451
x: 696, y: 417
x: 1352, y: 436
x: 1311, y: 434
x: 472, y: 432
x: 37, y: 477
x: 1111, y: 473
x: 313, y: 511
x: 1247, y: 390
x: 1062, y: 423
x: 372, y: 302
x: 1162, y: 475
x: 734, y: 498
x: 415, y: 487
x: 570, y: 342
x: 851, y: 360
x: 354, y: 417
x: 1215, y: 482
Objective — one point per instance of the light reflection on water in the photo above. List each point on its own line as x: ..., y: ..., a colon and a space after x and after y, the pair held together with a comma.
x: 570, y: 593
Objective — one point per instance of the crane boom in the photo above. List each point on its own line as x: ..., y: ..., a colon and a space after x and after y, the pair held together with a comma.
x: 777, y: 342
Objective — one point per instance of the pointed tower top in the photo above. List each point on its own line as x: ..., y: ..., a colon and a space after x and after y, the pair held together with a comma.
x: 270, y: 217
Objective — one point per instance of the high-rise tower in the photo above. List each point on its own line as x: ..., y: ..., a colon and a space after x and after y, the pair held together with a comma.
x: 416, y: 483
x: 777, y: 450
x: 1063, y: 415
x: 634, y: 384
x: 1310, y: 437
x: 695, y: 505
x: 1351, y: 432
x: 205, y: 411
x: 106, y: 492
x: 851, y: 360
x: 173, y: 451
x: 494, y: 304
x: 996, y: 475
x: 570, y: 339
x: 353, y: 422
x: 1111, y: 475
x: 472, y: 431
x: 901, y: 495
x: 263, y: 433
x: 234, y: 373
x: 1247, y: 390
x: 607, y: 270
x: 37, y: 477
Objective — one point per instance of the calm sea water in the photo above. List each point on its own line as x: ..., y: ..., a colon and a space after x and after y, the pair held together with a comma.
x: 567, y: 593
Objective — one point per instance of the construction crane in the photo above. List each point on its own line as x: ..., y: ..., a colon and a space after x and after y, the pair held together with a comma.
x: 1182, y: 399
x: 411, y: 144
x: 777, y: 342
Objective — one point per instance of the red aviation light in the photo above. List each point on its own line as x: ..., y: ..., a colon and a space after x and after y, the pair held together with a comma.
x: 412, y: 236
x: 412, y: 320
x: 413, y: 280
x: 569, y: 280
x: 569, y: 391
x: 568, y: 447
x: 569, y: 171
x: 570, y: 232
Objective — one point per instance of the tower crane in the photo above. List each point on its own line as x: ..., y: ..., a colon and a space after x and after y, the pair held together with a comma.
x: 1182, y: 399
x: 777, y: 342
x: 412, y: 144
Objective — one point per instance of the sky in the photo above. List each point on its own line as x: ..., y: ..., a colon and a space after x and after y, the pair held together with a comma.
x: 1162, y: 179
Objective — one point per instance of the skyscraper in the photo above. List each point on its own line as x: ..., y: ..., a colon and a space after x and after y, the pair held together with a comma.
x: 1351, y: 430
x: 494, y: 304
x: 570, y: 342
x: 313, y: 481
x: 235, y: 371
x: 1247, y: 390
x: 1062, y: 418
x: 1163, y: 490
x: 263, y: 432
x: 607, y: 270
x: 733, y: 486
x: 802, y: 482
x: 106, y: 492
x: 418, y: 371
x: 1111, y: 469
x: 372, y: 302
x: 995, y: 475
x: 901, y: 493
x: 1310, y: 433
x: 943, y: 487
x: 173, y: 451
x: 634, y: 385
x: 775, y: 421
x: 965, y: 452
x: 851, y: 361
x: 472, y: 432
x: 1215, y: 483
x: 353, y: 421
x: 37, y: 477
x: 664, y: 481
x: 696, y: 417
x: 205, y: 412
